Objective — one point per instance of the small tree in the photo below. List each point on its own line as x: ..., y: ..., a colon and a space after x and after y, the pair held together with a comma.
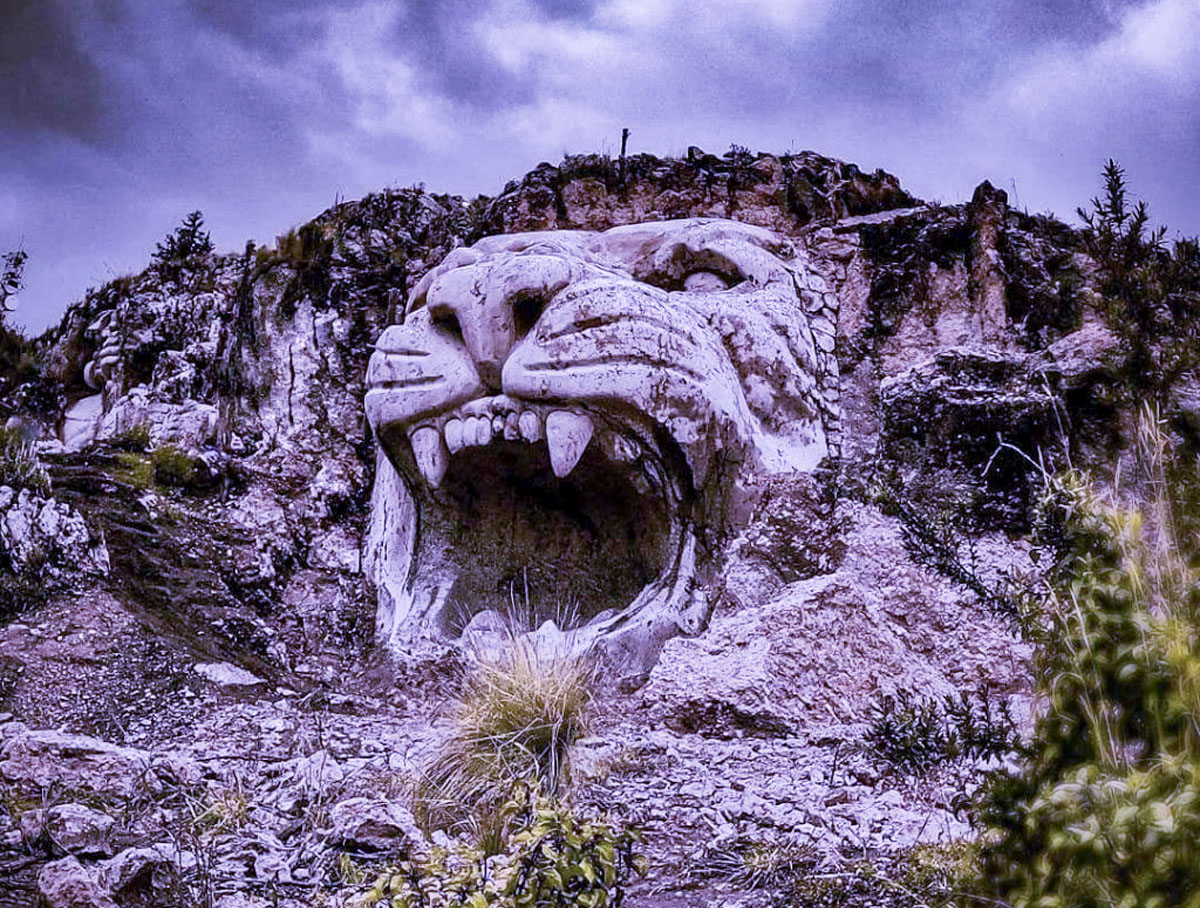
x: 12, y: 278
x: 1153, y: 292
x: 185, y: 250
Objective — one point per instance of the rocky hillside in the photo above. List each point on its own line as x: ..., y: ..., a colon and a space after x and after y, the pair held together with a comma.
x: 192, y: 706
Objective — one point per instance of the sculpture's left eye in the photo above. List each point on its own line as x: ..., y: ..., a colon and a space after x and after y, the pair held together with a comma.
x: 708, y: 280
x: 527, y: 309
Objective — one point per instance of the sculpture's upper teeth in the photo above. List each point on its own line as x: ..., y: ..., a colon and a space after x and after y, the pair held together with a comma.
x: 567, y: 435
x: 530, y: 426
x: 431, y: 454
x: 454, y: 435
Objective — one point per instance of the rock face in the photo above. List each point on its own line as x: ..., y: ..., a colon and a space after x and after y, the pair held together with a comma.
x: 759, y: 428
x: 565, y: 412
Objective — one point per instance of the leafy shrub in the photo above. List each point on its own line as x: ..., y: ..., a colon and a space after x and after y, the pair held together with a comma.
x: 914, y: 733
x: 514, y: 720
x: 549, y: 859
x: 1106, y: 810
x: 1152, y: 292
x: 19, y: 464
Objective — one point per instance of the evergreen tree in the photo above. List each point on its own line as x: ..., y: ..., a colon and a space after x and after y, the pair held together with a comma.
x: 185, y: 250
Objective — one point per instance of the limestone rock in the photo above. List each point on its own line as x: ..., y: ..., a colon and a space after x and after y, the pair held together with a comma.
x: 83, y: 763
x: 73, y: 829
x: 68, y: 884
x: 227, y: 675
x: 139, y: 876
x: 376, y: 824
x: 36, y: 528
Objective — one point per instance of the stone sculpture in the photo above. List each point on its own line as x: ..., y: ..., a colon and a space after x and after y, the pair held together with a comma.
x: 567, y: 421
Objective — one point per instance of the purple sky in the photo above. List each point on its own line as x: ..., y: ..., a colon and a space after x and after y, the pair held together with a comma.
x: 117, y: 117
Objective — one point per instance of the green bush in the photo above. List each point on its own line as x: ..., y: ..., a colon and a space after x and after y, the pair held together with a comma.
x: 549, y: 859
x: 914, y: 733
x: 514, y: 720
x: 184, y: 256
x: 1106, y: 810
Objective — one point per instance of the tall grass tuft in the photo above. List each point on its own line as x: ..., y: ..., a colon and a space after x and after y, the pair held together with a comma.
x: 514, y: 720
x: 19, y: 464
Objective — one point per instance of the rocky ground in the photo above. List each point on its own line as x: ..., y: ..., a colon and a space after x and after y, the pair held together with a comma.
x: 199, y: 782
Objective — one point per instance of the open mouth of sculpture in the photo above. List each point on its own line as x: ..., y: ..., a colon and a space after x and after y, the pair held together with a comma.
x: 538, y: 511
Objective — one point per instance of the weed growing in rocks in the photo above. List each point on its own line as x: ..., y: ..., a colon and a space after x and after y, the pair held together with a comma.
x: 914, y: 733
x: 19, y: 464
x: 548, y: 858
x: 134, y: 439
x: 515, y: 719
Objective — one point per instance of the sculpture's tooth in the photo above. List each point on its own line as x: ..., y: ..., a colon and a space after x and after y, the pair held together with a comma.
x: 512, y: 427
x: 470, y: 425
x: 431, y: 454
x: 497, y: 424
x: 483, y: 431
x: 453, y: 431
x: 567, y: 435
x: 530, y: 426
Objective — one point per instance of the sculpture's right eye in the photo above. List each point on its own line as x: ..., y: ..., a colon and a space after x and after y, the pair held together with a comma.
x: 445, y: 320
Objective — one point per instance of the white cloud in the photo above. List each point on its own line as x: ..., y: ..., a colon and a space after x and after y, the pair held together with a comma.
x: 1155, y: 48
x: 383, y: 88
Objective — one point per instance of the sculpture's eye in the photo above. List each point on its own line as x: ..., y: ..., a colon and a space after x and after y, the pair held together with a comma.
x: 697, y: 270
x: 708, y: 280
x: 445, y: 320
x: 527, y: 309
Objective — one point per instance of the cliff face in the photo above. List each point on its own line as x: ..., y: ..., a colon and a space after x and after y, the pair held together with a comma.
x: 199, y: 549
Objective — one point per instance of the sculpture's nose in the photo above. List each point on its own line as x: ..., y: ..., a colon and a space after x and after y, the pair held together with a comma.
x: 493, y: 305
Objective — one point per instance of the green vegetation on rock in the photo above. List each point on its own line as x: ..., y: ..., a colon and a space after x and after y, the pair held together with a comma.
x: 1106, y: 811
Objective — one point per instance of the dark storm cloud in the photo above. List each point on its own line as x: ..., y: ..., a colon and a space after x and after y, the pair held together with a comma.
x: 118, y: 116
x: 438, y: 35
x: 47, y: 81
x: 276, y: 28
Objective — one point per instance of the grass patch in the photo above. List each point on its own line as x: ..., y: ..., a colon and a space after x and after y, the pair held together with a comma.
x: 172, y: 467
x: 135, y: 470
x: 514, y: 720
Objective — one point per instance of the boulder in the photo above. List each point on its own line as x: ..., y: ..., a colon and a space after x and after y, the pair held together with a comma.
x: 41, y: 757
x: 73, y: 829
x: 375, y: 824
x: 68, y: 884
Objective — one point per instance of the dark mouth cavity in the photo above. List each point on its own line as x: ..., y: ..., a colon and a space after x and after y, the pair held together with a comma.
x: 534, y: 547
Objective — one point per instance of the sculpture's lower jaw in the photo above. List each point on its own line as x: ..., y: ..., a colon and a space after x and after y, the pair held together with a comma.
x: 606, y: 553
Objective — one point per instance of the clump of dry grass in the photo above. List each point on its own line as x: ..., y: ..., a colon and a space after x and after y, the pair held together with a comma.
x: 514, y: 720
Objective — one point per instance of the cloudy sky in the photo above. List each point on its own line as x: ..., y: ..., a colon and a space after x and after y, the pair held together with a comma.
x: 117, y: 117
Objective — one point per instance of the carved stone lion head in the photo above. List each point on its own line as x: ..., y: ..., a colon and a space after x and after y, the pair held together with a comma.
x: 567, y: 418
